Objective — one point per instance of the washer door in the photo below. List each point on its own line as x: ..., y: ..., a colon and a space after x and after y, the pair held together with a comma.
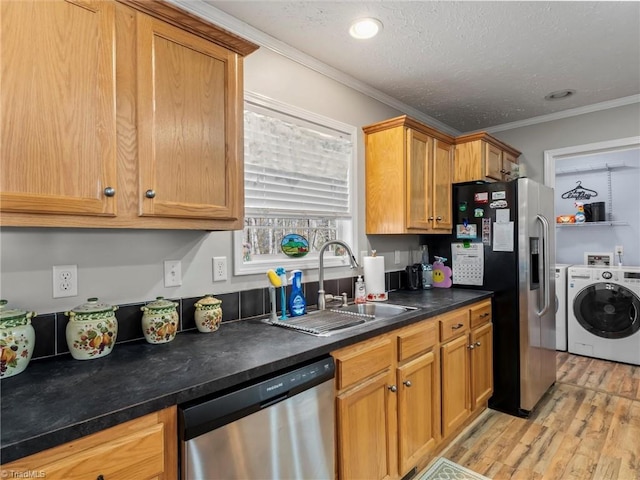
x: 607, y: 310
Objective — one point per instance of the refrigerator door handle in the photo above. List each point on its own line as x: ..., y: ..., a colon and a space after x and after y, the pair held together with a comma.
x: 546, y: 265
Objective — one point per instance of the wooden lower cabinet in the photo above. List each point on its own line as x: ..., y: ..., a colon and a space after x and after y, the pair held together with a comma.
x: 456, y: 404
x: 481, y: 365
x: 402, y: 396
x: 387, y: 407
x: 144, y: 448
x: 366, y: 429
x: 418, y: 410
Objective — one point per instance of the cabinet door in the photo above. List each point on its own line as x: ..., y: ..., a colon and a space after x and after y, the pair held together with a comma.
x: 455, y: 383
x: 492, y: 161
x: 481, y: 365
x: 57, y: 104
x: 419, y: 187
x: 509, y: 163
x: 366, y: 430
x: 418, y: 410
x: 190, y: 137
x: 442, y: 179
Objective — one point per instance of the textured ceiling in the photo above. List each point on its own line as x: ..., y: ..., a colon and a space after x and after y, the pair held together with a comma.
x: 470, y: 65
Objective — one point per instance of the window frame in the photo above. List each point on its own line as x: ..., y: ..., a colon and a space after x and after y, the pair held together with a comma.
x: 347, y: 228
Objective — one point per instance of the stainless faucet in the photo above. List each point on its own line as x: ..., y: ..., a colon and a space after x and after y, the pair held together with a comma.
x: 322, y: 298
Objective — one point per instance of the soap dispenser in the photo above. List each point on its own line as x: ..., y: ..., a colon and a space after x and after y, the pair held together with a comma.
x: 297, y: 302
x: 361, y: 294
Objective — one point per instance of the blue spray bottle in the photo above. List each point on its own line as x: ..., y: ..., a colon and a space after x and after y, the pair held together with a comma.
x: 297, y: 302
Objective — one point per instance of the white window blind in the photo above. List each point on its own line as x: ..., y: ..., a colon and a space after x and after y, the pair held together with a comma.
x: 294, y: 167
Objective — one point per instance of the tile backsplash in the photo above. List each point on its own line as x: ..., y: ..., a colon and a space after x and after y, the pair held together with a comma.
x: 50, y: 328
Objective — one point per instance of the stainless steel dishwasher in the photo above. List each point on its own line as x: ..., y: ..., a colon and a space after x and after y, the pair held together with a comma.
x: 281, y: 427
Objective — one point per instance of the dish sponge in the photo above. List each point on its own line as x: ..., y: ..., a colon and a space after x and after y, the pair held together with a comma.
x: 274, y: 278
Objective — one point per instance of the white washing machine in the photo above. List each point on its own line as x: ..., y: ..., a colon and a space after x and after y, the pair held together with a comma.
x: 561, y: 306
x: 603, y: 318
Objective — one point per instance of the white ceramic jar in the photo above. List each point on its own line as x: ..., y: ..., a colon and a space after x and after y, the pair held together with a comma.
x: 160, y: 321
x: 208, y: 314
x: 92, y: 330
x: 17, y: 340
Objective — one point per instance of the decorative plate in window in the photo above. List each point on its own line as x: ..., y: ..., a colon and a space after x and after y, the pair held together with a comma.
x: 294, y: 245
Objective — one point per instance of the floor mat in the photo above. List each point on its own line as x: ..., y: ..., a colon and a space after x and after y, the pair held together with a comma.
x: 443, y: 469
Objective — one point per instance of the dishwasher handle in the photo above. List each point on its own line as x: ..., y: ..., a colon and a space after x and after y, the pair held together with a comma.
x: 200, y: 417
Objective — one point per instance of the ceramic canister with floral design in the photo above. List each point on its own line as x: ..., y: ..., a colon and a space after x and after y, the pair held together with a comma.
x: 17, y: 339
x: 92, y: 330
x: 208, y: 314
x: 160, y: 320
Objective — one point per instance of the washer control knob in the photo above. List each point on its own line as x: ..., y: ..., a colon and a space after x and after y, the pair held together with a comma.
x: 606, y: 275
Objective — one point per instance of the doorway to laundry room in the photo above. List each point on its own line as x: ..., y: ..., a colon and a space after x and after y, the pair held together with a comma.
x: 597, y: 193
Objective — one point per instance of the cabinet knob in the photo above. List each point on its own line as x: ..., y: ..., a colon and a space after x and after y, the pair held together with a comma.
x: 438, y: 219
x: 100, y: 477
x: 109, y: 192
x: 485, y: 314
x: 150, y: 193
x: 393, y: 388
x: 477, y: 344
x: 407, y: 383
x: 471, y: 347
x: 430, y: 218
x: 457, y: 326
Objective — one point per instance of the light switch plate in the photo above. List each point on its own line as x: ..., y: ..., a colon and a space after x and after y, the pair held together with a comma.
x: 172, y: 273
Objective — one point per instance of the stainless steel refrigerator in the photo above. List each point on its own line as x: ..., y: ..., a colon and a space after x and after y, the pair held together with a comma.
x: 513, y: 224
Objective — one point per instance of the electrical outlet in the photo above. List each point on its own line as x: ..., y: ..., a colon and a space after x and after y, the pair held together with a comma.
x: 172, y: 273
x: 65, y: 281
x: 219, y: 269
x: 619, y: 250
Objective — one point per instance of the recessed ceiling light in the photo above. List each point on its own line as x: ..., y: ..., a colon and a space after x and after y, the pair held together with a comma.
x: 365, y: 28
x: 559, y: 95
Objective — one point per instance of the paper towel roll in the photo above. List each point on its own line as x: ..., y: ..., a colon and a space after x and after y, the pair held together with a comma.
x: 374, y: 278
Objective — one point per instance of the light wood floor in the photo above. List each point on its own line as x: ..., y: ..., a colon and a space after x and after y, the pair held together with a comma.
x: 586, y: 428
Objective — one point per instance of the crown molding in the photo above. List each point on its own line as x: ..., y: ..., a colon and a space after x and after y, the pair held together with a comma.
x: 619, y: 102
x: 232, y: 24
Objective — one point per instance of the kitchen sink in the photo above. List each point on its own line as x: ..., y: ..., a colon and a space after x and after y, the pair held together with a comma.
x: 323, y: 323
x: 375, y: 310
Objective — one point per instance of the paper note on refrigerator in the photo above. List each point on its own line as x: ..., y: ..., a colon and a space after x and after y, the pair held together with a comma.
x: 503, y: 237
x: 467, y: 263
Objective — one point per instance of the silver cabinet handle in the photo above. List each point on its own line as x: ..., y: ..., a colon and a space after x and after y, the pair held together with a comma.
x: 484, y: 315
x: 477, y: 344
x: 430, y: 218
x: 109, y: 192
x: 471, y: 347
x: 438, y: 219
x: 457, y: 326
x: 393, y: 388
x: 150, y: 193
x: 407, y: 383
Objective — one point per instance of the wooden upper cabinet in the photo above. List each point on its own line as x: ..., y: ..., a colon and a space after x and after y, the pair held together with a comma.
x: 127, y: 114
x: 185, y: 124
x: 58, y: 109
x: 408, y: 177
x: 480, y: 156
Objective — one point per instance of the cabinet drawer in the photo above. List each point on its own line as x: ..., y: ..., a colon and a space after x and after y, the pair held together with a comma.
x: 416, y: 339
x: 454, y: 324
x: 480, y: 314
x: 360, y: 361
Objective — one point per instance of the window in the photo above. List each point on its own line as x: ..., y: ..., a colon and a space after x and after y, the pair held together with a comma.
x: 298, y: 179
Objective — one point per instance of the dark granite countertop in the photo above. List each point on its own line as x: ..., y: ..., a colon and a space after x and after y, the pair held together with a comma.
x: 58, y: 400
